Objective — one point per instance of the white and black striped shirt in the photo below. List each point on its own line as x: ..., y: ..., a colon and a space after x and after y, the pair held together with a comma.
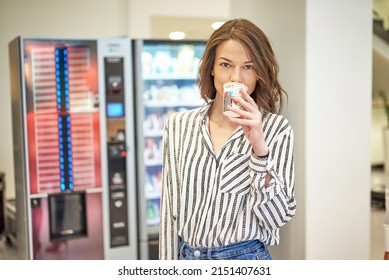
x: 213, y: 200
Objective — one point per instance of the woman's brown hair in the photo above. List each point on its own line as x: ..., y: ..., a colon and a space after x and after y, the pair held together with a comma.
x: 268, y: 90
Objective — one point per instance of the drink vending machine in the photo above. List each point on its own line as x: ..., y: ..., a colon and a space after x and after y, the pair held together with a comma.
x: 74, y: 156
x: 165, y: 79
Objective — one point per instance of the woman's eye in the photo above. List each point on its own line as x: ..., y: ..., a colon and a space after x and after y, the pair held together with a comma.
x: 248, y: 67
x: 224, y: 64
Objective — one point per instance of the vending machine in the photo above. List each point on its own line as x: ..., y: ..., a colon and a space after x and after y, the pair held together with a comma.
x: 74, y: 155
x: 166, y: 74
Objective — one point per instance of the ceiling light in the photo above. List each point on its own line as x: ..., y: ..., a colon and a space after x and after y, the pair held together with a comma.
x: 177, y: 35
x: 217, y: 24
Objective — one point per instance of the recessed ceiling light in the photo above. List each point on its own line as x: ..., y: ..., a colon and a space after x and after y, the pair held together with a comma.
x: 217, y: 24
x: 177, y: 35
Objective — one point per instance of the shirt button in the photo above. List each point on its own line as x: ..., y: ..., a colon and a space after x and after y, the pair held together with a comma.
x: 197, y: 253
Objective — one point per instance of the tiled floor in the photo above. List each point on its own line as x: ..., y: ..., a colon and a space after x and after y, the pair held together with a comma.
x: 376, y: 237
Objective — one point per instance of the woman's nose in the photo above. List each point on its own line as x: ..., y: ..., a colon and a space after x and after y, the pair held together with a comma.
x: 235, y: 75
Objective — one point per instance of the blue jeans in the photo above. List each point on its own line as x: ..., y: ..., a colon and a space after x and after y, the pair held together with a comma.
x: 246, y: 250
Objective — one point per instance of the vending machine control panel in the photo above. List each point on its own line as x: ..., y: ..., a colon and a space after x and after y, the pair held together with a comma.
x: 117, y: 151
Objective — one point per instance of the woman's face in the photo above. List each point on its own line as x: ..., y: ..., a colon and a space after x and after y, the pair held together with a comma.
x: 233, y: 64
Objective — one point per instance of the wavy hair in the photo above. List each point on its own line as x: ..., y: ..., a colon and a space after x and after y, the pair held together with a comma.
x: 268, y: 91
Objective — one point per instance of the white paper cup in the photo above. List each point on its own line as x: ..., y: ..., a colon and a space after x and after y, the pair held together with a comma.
x: 231, y: 89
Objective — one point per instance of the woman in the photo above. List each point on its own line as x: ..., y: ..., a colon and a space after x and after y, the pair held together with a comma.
x: 228, y: 182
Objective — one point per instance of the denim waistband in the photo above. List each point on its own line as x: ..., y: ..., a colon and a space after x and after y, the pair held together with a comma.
x: 221, y: 252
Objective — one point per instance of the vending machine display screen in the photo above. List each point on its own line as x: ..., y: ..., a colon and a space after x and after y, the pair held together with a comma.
x: 115, y: 110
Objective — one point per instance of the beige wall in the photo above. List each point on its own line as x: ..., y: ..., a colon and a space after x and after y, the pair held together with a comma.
x: 141, y: 13
x: 339, y: 67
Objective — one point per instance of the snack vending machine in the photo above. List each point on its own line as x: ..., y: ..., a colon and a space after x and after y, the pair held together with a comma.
x: 74, y: 156
x: 165, y: 81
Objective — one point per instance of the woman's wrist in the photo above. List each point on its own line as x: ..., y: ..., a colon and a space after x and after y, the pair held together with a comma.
x: 262, y: 154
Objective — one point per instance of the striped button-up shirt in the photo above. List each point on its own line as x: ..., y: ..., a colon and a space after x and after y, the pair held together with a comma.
x: 212, y: 200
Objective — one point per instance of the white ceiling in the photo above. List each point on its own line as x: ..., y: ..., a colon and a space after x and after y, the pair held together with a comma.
x: 195, y: 28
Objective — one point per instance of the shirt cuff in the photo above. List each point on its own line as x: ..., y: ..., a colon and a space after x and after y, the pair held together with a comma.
x: 259, y: 163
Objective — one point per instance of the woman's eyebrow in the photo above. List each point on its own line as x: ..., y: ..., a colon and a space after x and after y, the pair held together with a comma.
x: 224, y: 58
